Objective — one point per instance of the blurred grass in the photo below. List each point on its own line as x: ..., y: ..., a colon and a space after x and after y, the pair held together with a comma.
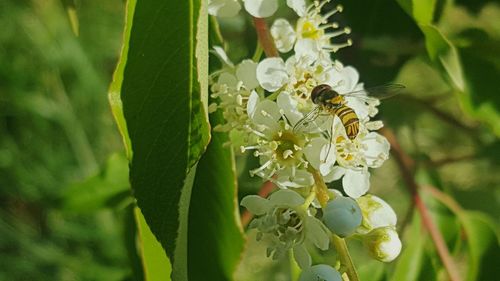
x: 56, y: 129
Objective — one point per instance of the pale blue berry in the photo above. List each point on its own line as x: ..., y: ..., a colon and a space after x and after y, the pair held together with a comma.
x: 320, y: 272
x: 342, y: 216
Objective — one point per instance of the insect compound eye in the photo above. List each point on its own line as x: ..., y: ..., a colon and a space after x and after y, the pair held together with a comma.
x: 318, y: 91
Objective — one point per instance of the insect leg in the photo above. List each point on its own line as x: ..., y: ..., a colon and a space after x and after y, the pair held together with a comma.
x: 330, y: 140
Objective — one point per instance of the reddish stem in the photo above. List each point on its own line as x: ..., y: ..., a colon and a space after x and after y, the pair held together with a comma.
x: 265, y: 39
x: 264, y: 191
x: 406, y: 165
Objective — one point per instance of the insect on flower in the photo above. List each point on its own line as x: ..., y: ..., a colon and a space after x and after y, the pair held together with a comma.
x: 330, y: 103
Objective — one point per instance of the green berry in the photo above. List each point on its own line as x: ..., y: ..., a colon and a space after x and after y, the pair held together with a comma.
x: 320, y: 272
x: 342, y: 216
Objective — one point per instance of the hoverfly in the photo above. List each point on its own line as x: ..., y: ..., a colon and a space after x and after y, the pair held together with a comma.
x: 330, y: 103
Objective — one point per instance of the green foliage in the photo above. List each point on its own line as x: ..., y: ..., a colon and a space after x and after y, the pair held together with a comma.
x: 213, y: 231
x: 110, y: 188
x: 155, y: 262
x: 164, y: 112
x: 409, y: 264
x: 56, y: 130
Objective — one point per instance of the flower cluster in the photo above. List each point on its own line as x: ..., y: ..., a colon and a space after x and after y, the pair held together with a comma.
x: 301, y: 143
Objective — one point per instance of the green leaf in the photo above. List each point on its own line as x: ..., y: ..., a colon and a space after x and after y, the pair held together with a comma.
x: 106, y: 189
x: 115, y: 87
x: 421, y: 10
x: 156, y: 265
x: 409, y: 263
x: 483, y: 244
x: 159, y: 99
x: 481, y: 62
x: 441, y: 50
x: 372, y: 270
x: 215, y: 240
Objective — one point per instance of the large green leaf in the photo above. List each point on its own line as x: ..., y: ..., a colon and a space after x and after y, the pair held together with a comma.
x: 441, y: 50
x: 483, y: 244
x: 421, y: 10
x: 156, y: 265
x: 159, y: 99
x: 409, y: 264
x: 215, y: 238
x: 481, y: 61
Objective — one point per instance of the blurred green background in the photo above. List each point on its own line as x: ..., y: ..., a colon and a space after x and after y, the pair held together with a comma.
x: 65, y: 208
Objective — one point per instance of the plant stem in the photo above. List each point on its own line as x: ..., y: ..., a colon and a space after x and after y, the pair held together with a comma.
x: 345, y: 257
x: 258, y: 53
x: 265, y: 39
x: 406, y: 165
x: 321, y: 188
x: 338, y: 243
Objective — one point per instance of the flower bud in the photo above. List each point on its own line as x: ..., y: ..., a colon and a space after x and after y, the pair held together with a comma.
x: 383, y: 243
x: 376, y: 213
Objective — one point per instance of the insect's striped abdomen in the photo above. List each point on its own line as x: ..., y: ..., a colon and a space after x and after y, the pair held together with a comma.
x: 349, y: 119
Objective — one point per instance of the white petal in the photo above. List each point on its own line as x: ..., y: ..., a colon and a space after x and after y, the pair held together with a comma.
x: 391, y: 247
x: 289, y: 106
x: 316, y: 154
x: 377, y: 149
x: 256, y: 204
x: 247, y: 73
x: 336, y: 173
x: 302, y: 256
x: 350, y: 77
x: 221, y: 54
x: 301, y: 178
x: 376, y: 212
x: 344, y: 79
x: 228, y: 79
x: 356, y: 183
x: 267, y: 114
x: 286, y: 197
x: 261, y: 8
x: 283, y: 35
x: 223, y: 8
x: 271, y: 74
x: 253, y: 100
x: 316, y: 232
x: 359, y: 106
x: 306, y: 48
x: 383, y: 243
x: 299, y: 6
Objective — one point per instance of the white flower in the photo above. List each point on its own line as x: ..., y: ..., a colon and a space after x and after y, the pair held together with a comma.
x: 367, y: 150
x: 383, y: 243
x: 246, y: 72
x: 261, y: 8
x: 376, y: 213
x: 233, y: 88
x: 271, y: 74
x: 283, y: 35
x: 223, y: 8
x: 279, y: 149
x: 311, y: 36
x: 313, y: 27
x: 299, y: 6
x: 287, y: 222
x: 298, y: 76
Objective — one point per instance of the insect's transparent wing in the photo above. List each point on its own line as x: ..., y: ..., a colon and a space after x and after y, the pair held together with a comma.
x: 378, y: 92
x: 307, y: 122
